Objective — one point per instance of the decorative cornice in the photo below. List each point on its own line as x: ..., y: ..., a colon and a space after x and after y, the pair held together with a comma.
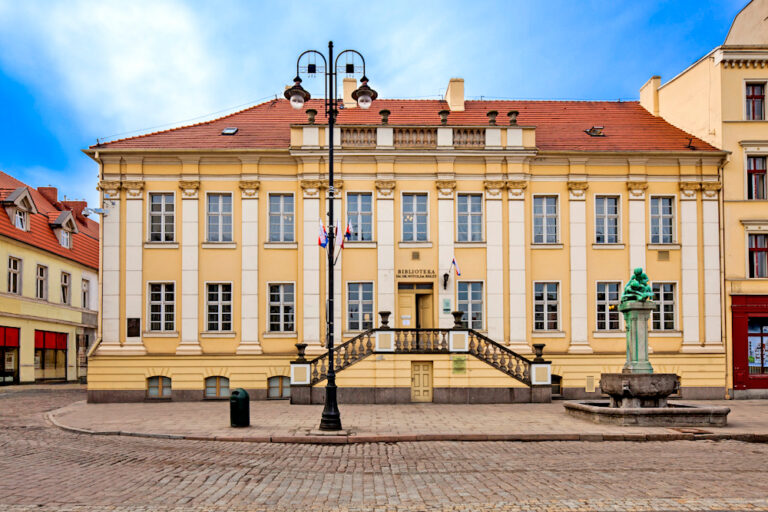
x: 445, y: 188
x: 189, y: 189
x: 637, y: 189
x: 517, y: 189
x: 493, y: 189
x: 385, y: 188
x: 111, y: 189
x: 710, y: 190
x: 689, y: 189
x: 249, y: 189
x: 312, y: 188
x: 577, y: 190
x: 133, y: 189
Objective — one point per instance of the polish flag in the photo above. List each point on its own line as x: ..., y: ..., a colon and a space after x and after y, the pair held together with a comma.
x: 322, y: 240
x: 456, y: 266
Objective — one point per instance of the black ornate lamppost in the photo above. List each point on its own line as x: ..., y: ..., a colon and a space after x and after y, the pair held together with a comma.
x: 297, y: 95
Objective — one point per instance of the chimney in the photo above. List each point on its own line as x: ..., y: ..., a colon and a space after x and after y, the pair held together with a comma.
x: 51, y: 194
x: 350, y: 84
x: 75, y: 206
x: 649, y: 95
x: 454, y: 95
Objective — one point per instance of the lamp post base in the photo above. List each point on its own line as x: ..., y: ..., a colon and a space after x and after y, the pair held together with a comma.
x: 331, y: 418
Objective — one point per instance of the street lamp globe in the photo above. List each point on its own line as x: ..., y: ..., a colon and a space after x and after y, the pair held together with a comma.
x: 297, y: 95
x: 364, y: 95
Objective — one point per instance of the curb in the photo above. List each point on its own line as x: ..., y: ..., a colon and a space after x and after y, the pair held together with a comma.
x: 402, y: 438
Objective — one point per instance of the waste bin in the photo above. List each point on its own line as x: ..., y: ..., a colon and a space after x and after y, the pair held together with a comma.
x: 239, y: 409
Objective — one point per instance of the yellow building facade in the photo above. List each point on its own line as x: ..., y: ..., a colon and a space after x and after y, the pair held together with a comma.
x: 49, y: 295
x: 721, y: 99
x: 212, y: 273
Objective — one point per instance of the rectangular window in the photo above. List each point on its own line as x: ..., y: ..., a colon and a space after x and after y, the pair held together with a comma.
x: 281, y: 218
x: 414, y: 217
x: 545, y: 219
x: 360, y: 215
x: 162, y: 309
x: 20, y: 219
x: 663, y: 318
x: 85, y: 295
x: 662, y: 220
x: 219, y: 307
x: 756, y: 185
x: 359, y: 306
x: 758, y: 255
x: 608, y: 298
x: 162, y: 217
x: 14, y: 276
x: 219, y: 217
x: 281, y: 308
x: 755, y: 102
x: 66, y: 281
x: 66, y: 239
x: 470, y: 302
x: 41, y: 286
x: 606, y: 219
x: 470, y: 217
x: 546, y: 309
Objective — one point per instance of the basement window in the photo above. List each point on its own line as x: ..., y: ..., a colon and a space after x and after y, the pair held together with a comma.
x: 595, y: 131
x: 229, y: 131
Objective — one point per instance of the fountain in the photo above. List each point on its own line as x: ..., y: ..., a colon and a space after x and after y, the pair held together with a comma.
x: 638, y: 396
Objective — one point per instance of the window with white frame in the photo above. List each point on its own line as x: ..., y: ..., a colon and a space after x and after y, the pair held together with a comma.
x: 607, y: 303
x: 219, y: 307
x: 85, y: 294
x: 359, y: 306
x: 470, y: 217
x: 606, y: 219
x: 662, y: 220
x: 758, y: 256
x: 282, y: 310
x: 470, y: 302
x: 162, y: 307
x: 41, y: 282
x: 546, y: 307
x: 360, y: 215
x: 545, y: 219
x: 21, y: 219
x: 162, y: 215
x: 66, y: 239
x: 14, y: 275
x: 755, y: 107
x: 66, y: 285
x: 756, y: 183
x: 415, y: 217
x: 663, y: 315
x: 219, y: 217
x: 281, y: 218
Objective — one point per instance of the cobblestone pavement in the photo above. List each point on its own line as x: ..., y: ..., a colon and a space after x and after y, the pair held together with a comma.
x: 45, y: 468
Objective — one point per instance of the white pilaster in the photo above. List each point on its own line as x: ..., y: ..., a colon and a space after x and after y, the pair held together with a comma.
x: 713, y: 336
x: 494, y: 263
x: 689, y: 256
x: 311, y: 267
x: 134, y: 279
x: 445, y: 239
x: 637, y: 224
x: 385, y: 245
x: 190, y: 222
x: 110, y: 267
x: 249, y: 303
x: 518, y: 339
x: 577, y: 194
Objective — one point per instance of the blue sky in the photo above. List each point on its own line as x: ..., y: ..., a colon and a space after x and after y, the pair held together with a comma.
x: 72, y: 71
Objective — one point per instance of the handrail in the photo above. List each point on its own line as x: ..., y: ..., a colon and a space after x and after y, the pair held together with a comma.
x: 424, y: 341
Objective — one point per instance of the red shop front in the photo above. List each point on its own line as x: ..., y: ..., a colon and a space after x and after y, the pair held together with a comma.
x: 50, y: 355
x: 750, y: 341
x: 9, y: 355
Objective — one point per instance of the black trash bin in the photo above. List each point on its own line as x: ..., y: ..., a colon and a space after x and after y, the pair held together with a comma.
x: 239, y: 409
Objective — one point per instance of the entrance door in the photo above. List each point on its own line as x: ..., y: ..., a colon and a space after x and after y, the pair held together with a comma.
x: 414, y: 306
x: 424, y: 310
x: 421, y: 381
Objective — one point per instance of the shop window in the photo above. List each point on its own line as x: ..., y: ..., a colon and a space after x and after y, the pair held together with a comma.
x: 216, y: 387
x: 50, y: 355
x: 159, y: 387
x: 756, y: 183
x: 278, y: 387
x: 757, y: 350
x: 9, y: 355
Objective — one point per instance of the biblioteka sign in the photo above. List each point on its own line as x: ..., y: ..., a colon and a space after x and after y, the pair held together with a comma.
x: 418, y: 273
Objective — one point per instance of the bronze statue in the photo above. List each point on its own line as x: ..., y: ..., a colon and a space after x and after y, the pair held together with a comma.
x: 637, y: 289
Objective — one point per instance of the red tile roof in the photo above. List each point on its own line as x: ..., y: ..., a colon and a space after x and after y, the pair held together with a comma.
x: 559, y: 125
x: 85, y: 244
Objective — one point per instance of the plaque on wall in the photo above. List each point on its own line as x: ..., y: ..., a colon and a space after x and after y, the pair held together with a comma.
x: 134, y: 327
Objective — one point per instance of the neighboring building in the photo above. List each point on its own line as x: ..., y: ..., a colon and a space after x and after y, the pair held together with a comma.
x: 49, y: 295
x: 212, y: 271
x: 721, y: 99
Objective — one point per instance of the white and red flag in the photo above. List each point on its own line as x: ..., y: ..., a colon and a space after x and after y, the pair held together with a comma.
x: 322, y: 240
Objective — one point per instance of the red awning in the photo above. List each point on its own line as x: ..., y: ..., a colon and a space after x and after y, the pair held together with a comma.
x: 39, y: 339
x: 11, y: 336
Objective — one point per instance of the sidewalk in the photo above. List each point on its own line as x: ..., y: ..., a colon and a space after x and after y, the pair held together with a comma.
x: 278, y: 421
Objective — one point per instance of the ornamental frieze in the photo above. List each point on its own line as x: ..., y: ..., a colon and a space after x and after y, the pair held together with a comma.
x: 637, y: 189
x: 445, y: 188
x: 189, y: 189
x: 133, y: 189
x: 689, y: 189
x: 249, y: 189
x: 111, y: 189
x: 577, y: 190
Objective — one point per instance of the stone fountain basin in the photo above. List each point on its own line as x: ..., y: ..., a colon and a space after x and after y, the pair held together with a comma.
x: 674, y: 415
x: 640, y: 385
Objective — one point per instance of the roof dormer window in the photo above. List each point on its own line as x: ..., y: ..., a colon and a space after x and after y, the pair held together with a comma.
x: 66, y: 239
x: 18, y: 206
x: 21, y: 220
x: 64, y: 227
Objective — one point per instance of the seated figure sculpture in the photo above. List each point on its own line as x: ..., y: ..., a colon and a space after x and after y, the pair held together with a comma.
x: 637, y: 289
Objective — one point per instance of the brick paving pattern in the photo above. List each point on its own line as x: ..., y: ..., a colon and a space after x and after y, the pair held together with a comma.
x: 45, y: 468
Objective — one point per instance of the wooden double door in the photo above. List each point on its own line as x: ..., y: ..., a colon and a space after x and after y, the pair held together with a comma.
x: 415, y: 306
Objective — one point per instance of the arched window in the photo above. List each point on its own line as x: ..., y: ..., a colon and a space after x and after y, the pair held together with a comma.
x: 279, y: 387
x: 159, y: 387
x: 216, y: 387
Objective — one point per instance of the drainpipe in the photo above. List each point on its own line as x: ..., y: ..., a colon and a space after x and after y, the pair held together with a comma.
x: 723, y: 308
